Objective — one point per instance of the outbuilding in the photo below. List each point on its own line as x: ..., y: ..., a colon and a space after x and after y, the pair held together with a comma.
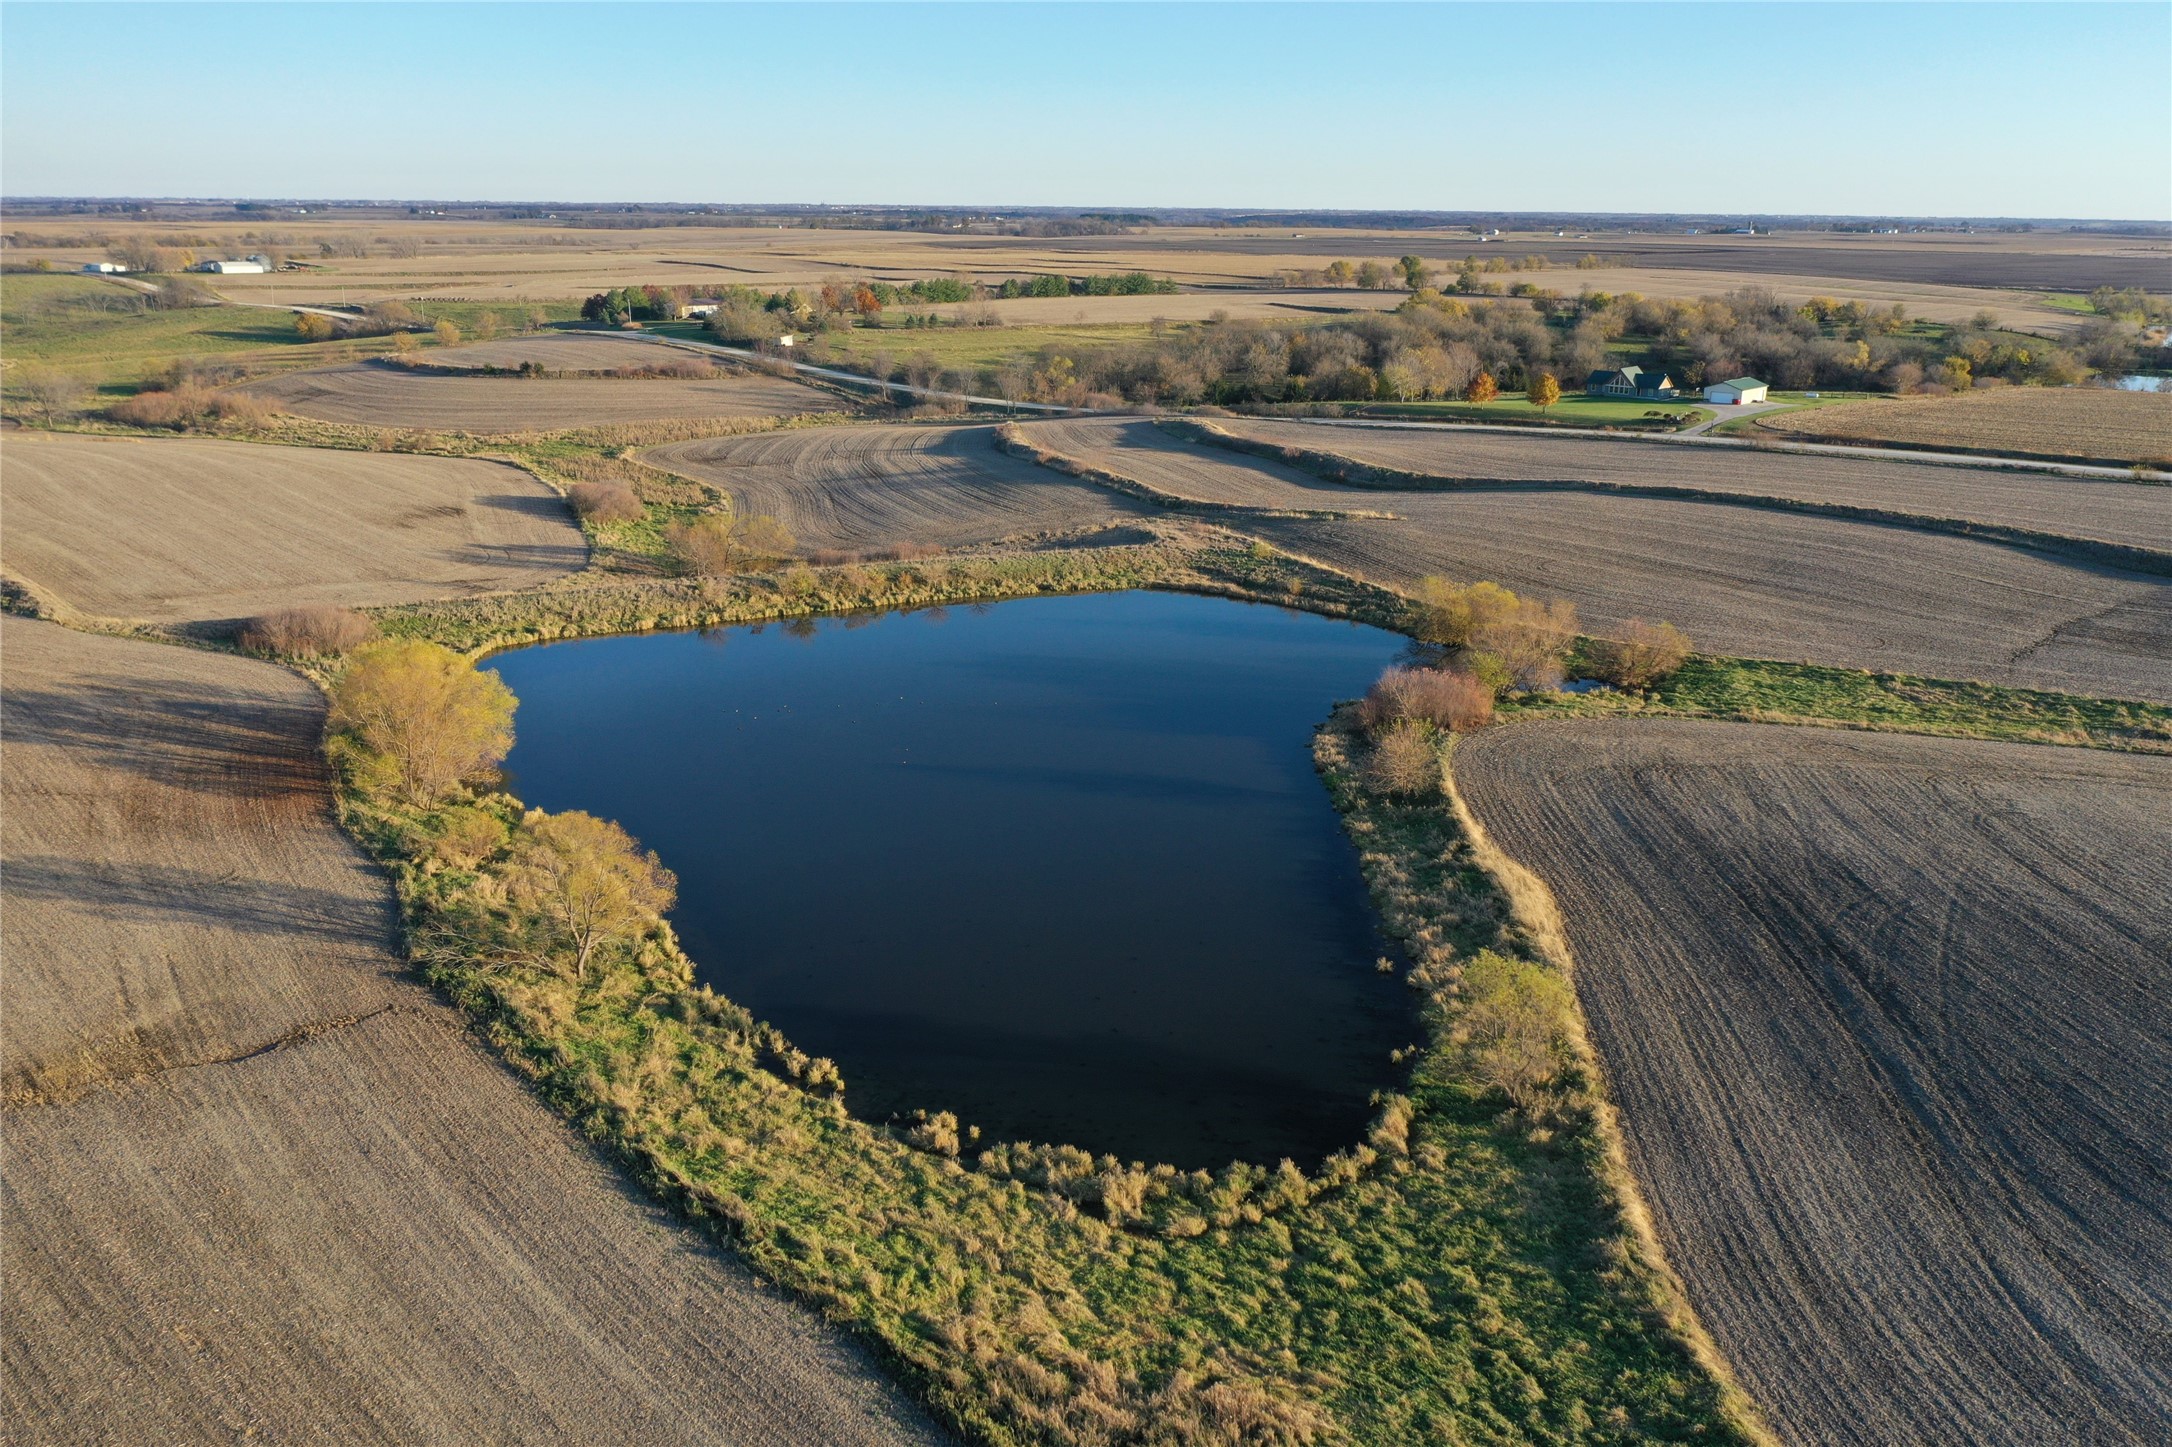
x: 104, y: 268
x: 1736, y: 392
x: 231, y: 268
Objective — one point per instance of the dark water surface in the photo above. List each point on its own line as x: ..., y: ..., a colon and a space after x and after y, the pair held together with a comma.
x: 1060, y: 865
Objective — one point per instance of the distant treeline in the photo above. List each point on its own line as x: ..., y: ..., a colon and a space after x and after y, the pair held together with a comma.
x: 1436, y: 346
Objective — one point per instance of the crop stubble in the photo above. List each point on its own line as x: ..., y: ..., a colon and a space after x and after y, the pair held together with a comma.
x: 1749, y: 581
x: 182, y: 529
x: 867, y: 487
x: 1887, y: 1022
x: 2089, y: 422
x: 316, y: 1211
x: 376, y: 395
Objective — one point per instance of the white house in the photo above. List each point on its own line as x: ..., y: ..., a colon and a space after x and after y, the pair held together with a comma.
x: 1736, y: 392
x: 231, y: 268
x: 698, y: 309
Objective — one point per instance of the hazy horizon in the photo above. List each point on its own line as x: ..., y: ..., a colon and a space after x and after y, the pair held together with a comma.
x: 1641, y: 110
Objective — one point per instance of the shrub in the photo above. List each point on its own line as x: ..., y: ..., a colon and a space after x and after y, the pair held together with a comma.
x: 604, y: 502
x: 588, y: 880
x: 1448, y: 699
x: 1517, y: 1018
x: 1405, y: 760
x: 309, y: 631
x: 1644, y: 654
x: 1452, y: 615
x: 188, y: 404
x: 1530, y: 639
x: 468, y: 837
x: 424, y: 717
x: 718, y: 543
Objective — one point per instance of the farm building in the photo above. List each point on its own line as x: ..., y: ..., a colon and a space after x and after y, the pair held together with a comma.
x: 1642, y: 383
x: 104, y: 268
x: 230, y: 268
x: 700, y: 306
x: 1740, y: 390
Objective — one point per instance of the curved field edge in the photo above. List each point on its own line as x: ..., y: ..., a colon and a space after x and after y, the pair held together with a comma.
x: 1885, y: 1017
x: 803, y: 1190
x: 1337, y: 468
x: 1464, y: 1274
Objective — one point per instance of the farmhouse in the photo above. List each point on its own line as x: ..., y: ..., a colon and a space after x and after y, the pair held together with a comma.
x: 1643, y: 383
x: 1741, y: 389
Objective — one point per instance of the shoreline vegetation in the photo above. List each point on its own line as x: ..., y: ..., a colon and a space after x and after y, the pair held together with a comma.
x: 1469, y: 1271
x: 1477, y: 1269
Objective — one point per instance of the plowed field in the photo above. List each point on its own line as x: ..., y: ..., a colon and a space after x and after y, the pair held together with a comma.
x: 280, y: 1195
x: 2089, y: 422
x: 1750, y: 581
x: 189, y: 529
x: 865, y: 487
x: 2119, y: 512
x: 376, y: 395
x: 1890, y: 1024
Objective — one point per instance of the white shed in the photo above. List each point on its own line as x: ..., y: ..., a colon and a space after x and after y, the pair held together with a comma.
x: 231, y: 268
x: 1736, y: 392
x: 104, y: 268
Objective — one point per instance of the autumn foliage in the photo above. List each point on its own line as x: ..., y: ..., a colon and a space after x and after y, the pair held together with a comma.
x: 421, y: 719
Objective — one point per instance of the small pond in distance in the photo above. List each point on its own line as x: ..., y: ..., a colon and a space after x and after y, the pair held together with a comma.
x: 1060, y: 865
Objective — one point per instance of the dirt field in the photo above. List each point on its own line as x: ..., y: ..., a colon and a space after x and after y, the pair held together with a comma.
x: 2090, y: 422
x: 864, y: 487
x: 190, y: 529
x: 1749, y: 581
x: 513, y: 261
x: 382, y: 396
x: 1890, y: 1024
x: 2119, y: 512
x: 325, y: 1215
x: 559, y: 352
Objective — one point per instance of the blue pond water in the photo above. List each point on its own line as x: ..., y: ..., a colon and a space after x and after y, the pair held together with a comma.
x: 1059, y: 865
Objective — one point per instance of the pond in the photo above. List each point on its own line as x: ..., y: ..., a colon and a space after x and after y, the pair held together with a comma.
x: 1059, y: 865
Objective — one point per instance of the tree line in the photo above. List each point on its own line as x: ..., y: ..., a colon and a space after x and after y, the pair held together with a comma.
x: 1437, y: 345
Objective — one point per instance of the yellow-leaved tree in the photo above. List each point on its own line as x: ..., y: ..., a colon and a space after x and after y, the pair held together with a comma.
x: 424, y: 717
x: 1544, y: 391
x: 1482, y: 389
x: 588, y: 879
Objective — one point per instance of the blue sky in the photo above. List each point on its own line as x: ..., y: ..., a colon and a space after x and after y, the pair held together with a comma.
x: 1944, y: 109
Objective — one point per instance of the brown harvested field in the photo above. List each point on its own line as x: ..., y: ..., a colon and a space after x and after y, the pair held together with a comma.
x: 375, y: 394
x: 303, y: 1205
x: 163, y: 803
x: 183, y: 529
x: 559, y: 352
x: 489, y: 260
x: 1749, y: 581
x: 2079, y: 507
x: 2084, y: 422
x: 868, y: 487
x: 1889, y: 1021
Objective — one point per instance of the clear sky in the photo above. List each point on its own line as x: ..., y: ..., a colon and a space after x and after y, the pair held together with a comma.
x: 2060, y: 109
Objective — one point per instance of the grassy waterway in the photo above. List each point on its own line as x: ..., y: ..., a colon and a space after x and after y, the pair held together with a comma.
x: 1059, y: 865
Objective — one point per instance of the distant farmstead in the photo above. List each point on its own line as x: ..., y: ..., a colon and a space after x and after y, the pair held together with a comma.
x: 104, y: 268
x: 251, y: 266
x: 1645, y: 384
x: 700, y: 306
x: 1736, y: 392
